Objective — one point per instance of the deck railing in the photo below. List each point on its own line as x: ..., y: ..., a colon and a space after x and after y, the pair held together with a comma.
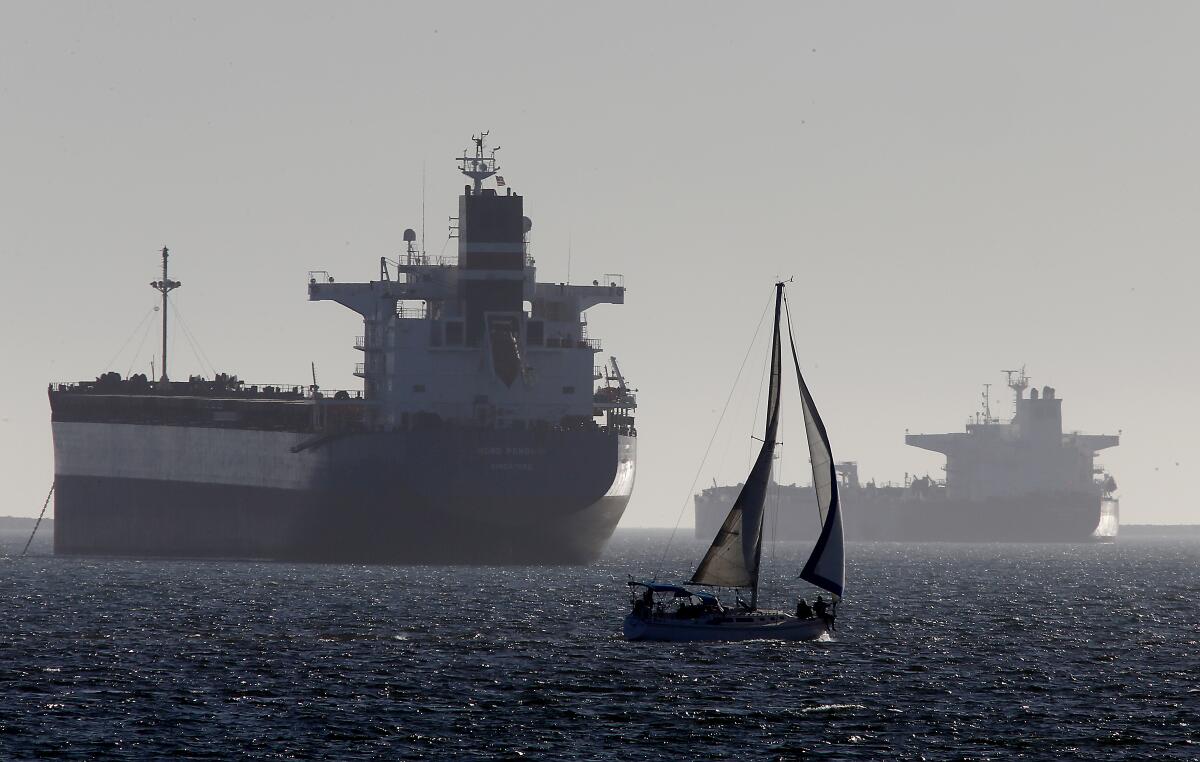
x: 202, y: 388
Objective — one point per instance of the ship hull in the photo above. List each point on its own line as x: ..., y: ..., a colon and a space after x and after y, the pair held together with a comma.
x: 871, y: 515
x: 460, y: 496
x: 1056, y: 517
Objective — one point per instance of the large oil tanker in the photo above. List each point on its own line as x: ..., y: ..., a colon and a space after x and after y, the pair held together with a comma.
x: 1024, y: 480
x: 485, y: 432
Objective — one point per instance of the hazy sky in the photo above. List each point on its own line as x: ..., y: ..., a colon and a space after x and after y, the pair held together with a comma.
x: 956, y: 187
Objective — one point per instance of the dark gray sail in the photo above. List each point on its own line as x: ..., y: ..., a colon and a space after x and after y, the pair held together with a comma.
x: 826, y: 566
x: 732, y: 560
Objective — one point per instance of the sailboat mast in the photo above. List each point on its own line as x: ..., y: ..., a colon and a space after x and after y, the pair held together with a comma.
x: 769, y: 435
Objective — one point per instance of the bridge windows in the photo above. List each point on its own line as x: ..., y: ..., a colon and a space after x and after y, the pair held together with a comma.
x: 535, y: 333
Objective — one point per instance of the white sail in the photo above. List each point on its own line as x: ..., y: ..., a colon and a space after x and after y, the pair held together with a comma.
x: 826, y: 566
x: 732, y: 559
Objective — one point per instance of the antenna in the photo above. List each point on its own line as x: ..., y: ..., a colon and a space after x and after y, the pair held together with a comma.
x: 422, y: 207
x: 1017, y: 380
x: 164, y: 286
x: 480, y: 166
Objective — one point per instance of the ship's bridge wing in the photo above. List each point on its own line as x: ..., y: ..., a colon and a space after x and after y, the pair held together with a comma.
x: 584, y: 296
x: 943, y: 443
x: 1094, y: 442
x: 368, y: 299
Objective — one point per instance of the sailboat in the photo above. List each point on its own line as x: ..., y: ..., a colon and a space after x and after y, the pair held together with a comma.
x: 679, y: 613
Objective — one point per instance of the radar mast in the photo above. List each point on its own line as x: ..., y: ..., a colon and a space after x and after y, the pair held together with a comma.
x: 164, y: 286
x: 1017, y: 380
x: 483, y: 164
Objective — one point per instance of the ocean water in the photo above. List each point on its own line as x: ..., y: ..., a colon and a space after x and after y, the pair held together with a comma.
x: 942, y: 652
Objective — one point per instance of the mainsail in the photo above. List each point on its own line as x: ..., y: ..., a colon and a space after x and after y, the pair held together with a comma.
x: 826, y: 566
x: 732, y: 560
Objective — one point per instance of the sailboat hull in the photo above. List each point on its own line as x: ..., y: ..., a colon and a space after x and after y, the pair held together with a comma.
x: 759, y: 625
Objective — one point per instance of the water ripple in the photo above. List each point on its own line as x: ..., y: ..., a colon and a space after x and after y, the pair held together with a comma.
x: 942, y: 652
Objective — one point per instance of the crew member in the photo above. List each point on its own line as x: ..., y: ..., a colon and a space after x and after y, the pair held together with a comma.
x: 821, y: 609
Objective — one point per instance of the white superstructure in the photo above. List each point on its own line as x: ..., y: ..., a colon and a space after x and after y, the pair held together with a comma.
x: 478, y: 339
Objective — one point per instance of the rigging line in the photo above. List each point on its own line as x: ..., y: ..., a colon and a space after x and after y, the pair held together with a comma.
x: 196, y: 348
x: 753, y: 424
x: 194, y: 343
x: 691, y: 489
x: 187, y: 337
x: 138, y: 353
x: 38, y: 523
x: 788, y: 312
x: 149, y: 312
x: 191, y: 346
x: 757, y: 401
x: 204, y: 367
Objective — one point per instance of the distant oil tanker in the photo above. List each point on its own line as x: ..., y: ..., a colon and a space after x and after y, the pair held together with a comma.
x: 1022, y: 481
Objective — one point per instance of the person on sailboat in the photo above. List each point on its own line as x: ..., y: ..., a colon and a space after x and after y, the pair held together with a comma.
x: 820, y: 607
x: 645, y: 604
x: 803, y: 610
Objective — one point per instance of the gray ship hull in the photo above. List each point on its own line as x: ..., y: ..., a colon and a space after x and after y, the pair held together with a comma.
x: 1053, y: 517
x: 463, y: 496
x: 882, y: 515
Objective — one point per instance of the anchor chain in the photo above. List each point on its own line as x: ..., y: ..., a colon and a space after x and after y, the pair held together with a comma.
x: 38, y: 523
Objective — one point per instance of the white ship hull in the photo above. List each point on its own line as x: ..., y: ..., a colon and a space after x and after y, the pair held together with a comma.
x: 757, y: 625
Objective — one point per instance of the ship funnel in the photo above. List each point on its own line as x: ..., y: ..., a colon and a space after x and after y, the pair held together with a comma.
x: 1033, y: 394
